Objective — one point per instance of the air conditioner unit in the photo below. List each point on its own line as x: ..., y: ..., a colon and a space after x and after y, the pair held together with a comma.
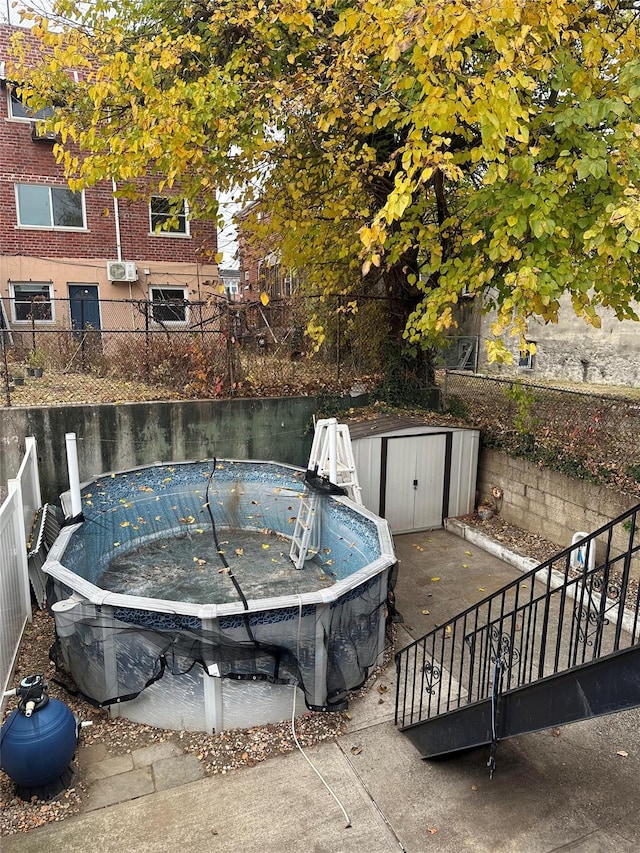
x: 39, y: 134
x: 121, y: 271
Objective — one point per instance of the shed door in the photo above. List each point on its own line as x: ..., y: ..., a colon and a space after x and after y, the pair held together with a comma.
x: 414, y: 488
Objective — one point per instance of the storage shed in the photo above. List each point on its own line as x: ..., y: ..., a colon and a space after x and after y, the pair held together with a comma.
x: 415, y: 474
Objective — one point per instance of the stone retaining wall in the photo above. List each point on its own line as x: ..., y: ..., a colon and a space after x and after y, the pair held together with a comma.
x: 547, y: 502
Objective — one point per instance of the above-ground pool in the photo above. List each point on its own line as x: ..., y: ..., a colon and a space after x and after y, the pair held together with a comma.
x: 177, y: 604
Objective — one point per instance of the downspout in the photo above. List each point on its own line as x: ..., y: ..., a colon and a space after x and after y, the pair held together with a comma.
x: 116, y: 214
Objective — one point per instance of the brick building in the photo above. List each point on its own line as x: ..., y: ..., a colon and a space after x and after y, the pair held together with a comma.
x: 260, y: 267
x: 63, y: 254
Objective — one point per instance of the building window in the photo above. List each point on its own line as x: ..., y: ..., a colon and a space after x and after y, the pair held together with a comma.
x: 525, y: 359
x: 31, y: 302
x: 20, y: 111
x: 49, y: 207
x: 168, y: 216
x: 169, y: 305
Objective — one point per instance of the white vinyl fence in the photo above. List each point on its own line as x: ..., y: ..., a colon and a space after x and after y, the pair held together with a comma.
x: 16, y: 519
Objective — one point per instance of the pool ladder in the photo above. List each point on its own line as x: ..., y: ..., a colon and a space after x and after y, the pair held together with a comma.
x: 332, y: 458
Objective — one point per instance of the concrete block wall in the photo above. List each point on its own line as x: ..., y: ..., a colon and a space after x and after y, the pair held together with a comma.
x: 549, y: 503
x: 118, y: 437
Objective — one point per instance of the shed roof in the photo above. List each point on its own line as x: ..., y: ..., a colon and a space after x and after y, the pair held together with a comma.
x: 391, y: 422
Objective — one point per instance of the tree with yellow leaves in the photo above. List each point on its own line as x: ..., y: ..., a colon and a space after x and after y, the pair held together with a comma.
x: 410, y: 149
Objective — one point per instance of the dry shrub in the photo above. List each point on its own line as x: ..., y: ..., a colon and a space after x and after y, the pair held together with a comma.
x: 193, y: 364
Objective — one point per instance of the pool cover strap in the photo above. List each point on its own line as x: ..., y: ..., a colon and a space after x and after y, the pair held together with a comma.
x: 115, y: 701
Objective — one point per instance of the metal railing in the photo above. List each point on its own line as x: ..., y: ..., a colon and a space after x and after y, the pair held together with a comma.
x: 169, y: 349
x: 580, y: 606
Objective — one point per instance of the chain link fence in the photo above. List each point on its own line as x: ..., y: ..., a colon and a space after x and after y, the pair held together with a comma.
x: 64, y: 350
x: 593, y: 436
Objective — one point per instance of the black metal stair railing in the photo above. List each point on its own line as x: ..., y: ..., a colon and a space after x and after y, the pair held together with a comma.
x: 575, y: 608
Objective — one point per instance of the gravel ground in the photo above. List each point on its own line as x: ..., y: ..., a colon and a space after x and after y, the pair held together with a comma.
x: 521, y: 541
x: 218, y: 754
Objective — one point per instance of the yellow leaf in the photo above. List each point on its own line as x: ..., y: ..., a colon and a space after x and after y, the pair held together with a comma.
x: 264, y: 298
x: 435, y: 579
x: 468, y: 553
x: 264, y: 545
x: 425, y: 612
x: 481, y: 588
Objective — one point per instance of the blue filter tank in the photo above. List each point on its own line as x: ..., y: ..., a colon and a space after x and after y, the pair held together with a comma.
x: 38, y: 739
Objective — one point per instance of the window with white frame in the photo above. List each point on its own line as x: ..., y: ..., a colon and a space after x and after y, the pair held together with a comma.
x: 19, y: 111
x: 31, y: 302
x: 168, y: 216
x: 169, y: 305
x: 41, y: 206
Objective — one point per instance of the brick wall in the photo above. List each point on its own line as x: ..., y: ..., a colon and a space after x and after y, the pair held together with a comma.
x: 24, y: 161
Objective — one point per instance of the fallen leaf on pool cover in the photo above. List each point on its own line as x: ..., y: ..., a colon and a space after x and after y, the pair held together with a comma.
x: 425, y: 612
x: 355, y: 750
x: 240, y: 552
x: 264, y: 545
x: 435, y: 579
x: 468, y: 553
x: 623, y: 753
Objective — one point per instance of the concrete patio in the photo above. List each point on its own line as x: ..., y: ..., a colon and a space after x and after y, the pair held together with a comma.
x: 570, y: 789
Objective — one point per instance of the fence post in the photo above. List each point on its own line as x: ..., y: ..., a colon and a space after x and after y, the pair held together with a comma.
x: 74, y: 476
x: 31, y: 450
x: 5, y: 368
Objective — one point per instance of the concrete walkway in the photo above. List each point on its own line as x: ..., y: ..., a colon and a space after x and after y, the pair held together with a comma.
x: 570, y: 789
